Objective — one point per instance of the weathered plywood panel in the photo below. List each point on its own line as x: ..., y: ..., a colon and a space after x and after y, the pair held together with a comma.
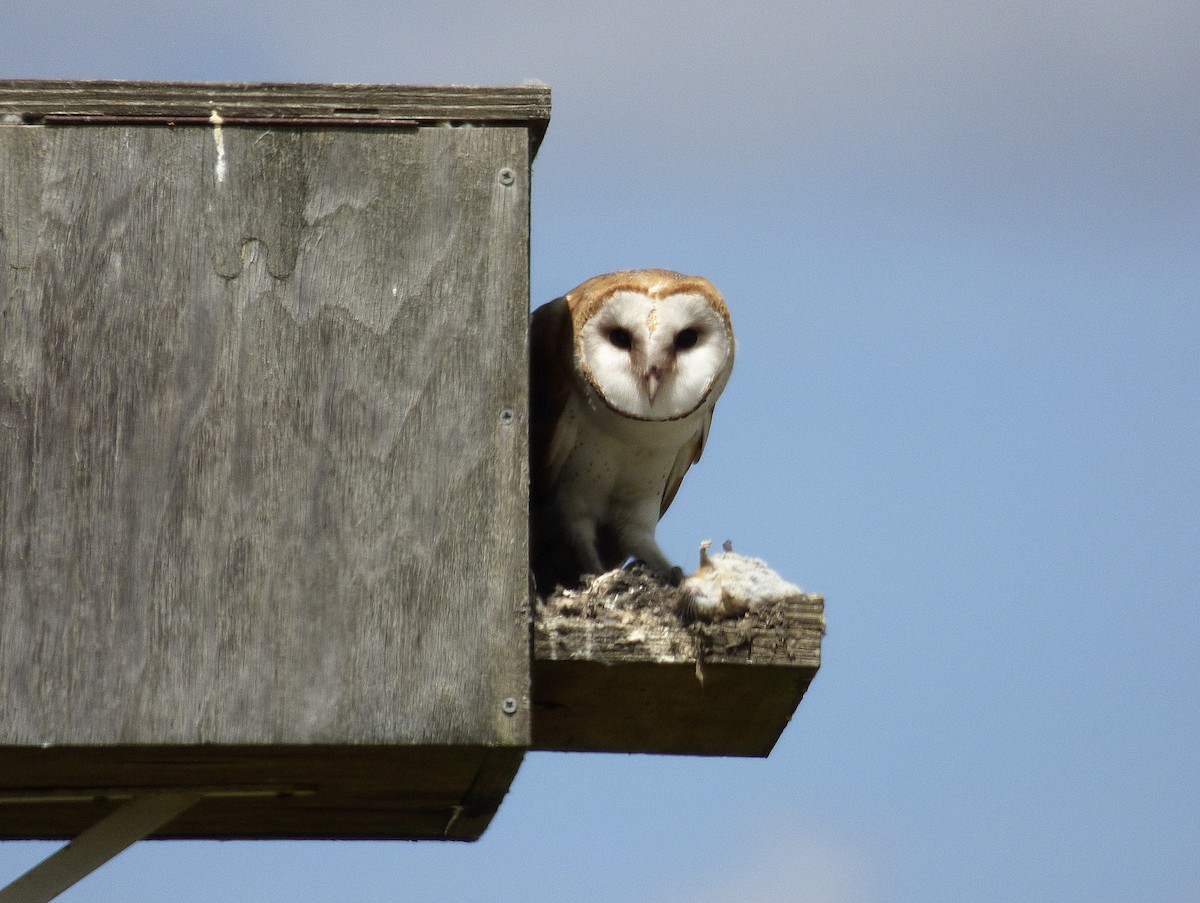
x: 263, y: 792
x: 664, y: 707
x: 262, y: 443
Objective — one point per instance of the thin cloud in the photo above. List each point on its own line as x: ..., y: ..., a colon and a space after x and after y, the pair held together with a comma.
x: 788, y: 865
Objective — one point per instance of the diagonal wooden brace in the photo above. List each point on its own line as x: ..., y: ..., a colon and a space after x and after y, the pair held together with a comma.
x: 135, y: 820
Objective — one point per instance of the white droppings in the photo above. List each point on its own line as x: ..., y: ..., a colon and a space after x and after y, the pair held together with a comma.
x: 219, y: 140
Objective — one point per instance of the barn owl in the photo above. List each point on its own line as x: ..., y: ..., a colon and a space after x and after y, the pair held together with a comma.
x: 624, y: 373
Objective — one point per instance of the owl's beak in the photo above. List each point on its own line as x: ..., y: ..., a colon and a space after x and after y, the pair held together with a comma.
x: 653, y: 383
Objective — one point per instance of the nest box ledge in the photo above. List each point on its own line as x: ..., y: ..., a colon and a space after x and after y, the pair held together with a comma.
x: 616, y: 669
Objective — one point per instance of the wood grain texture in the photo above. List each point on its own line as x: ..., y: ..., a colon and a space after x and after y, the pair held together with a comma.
x: 526, y: 106
x: 616, y: 671
x: 664, y: 708
x: 263, y: 792
x: 255, y: 482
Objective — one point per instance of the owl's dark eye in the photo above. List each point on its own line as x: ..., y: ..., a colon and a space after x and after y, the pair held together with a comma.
x: 620, y: 337
x: 686, y: 338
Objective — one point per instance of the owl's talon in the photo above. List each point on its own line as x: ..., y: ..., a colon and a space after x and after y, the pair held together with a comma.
x: 672, y: 574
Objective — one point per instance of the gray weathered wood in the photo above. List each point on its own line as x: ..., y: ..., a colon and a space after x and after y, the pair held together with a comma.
x: 527, y: 106
x: 262, y: 439
x: 616, y: 671
x: 263, y: 791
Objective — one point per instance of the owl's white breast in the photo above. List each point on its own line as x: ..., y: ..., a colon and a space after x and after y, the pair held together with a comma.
x: 617, y: 467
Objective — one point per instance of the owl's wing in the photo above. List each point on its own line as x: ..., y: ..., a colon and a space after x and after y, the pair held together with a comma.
x: 551, y: 435
x: 688, y: 455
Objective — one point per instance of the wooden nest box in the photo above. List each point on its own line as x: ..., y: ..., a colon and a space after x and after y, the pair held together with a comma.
x: 263, y: 466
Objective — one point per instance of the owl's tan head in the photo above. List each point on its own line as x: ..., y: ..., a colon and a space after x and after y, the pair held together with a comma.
x: 653, y: 344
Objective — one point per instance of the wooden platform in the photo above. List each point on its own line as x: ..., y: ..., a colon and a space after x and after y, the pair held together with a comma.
x: 615, y: 671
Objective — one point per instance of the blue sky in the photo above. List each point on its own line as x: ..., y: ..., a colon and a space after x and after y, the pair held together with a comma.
x: 961, y: 244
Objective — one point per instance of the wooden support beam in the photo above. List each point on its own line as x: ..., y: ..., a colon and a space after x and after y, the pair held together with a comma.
x: 135, y: 820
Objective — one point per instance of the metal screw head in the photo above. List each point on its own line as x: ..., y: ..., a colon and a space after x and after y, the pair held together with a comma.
x: 507, y: 416
x: 509, y: 706
x: 507, y: 176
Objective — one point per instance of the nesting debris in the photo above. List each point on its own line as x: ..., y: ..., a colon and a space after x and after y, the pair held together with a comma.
x: 627, y: 609
x: 734, y: 609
